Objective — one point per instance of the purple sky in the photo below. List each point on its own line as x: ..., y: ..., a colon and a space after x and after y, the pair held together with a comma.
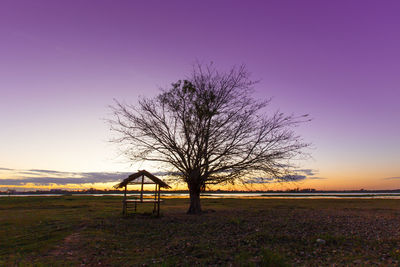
x: 62, y: 63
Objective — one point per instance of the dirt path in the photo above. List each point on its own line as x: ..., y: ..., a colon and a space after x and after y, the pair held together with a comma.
x: 69, y: 247
x: 72, y: 250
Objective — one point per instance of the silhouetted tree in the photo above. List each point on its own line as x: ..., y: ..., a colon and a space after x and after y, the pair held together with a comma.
x: 211, y: 130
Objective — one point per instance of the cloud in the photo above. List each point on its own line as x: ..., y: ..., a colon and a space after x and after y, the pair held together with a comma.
x: 46, y: 177
x: 85, y: 178
x: 392, y: 178
x: 6, y: 169
x: 42, y: 177
x: 316, y: 178
x: 294, y: 177
x: 269, y: 180
x: 167, y: 173
x: 45, y: 171
x: 259, y: 180
x: 309, y: 172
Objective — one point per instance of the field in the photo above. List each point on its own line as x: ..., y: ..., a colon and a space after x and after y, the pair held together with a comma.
x: 83, y: 230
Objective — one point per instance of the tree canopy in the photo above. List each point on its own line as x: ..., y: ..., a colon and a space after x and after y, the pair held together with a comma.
x: 211, y: 130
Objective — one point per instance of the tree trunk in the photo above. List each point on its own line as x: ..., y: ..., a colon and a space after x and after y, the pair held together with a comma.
x: 195, y: 206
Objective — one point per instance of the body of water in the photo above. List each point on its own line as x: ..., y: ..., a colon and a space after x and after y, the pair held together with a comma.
x: 368, y: 195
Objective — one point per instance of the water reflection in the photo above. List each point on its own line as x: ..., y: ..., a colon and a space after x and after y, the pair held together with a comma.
x: 369, y: 195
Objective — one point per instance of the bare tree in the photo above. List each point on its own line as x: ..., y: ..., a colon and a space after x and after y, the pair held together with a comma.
x: 210, y: 130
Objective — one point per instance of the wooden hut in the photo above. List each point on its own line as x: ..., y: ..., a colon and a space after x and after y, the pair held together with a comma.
x: 142, y: 178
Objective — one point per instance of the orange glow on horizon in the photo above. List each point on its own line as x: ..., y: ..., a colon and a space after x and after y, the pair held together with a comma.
x: 343, y: 179
x: 319, y: 184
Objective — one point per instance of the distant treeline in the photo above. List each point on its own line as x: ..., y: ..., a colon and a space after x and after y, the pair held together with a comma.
x: 98, y: 191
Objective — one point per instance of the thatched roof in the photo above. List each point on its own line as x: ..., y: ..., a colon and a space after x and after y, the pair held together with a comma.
x: 136, y: 178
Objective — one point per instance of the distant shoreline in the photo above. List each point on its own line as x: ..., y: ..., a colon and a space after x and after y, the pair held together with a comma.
x: 251, y: 195
x: 268, y: 192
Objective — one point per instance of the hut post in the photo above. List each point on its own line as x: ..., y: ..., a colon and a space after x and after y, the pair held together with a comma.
x: 158, y: 202
x: 124, y: 204
x: 155, y: 199
x: 141, y: 191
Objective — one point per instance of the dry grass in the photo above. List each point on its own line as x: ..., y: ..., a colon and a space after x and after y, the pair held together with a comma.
x: 239, y: 232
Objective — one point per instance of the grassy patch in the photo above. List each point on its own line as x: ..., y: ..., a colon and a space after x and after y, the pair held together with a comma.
x: 74, y: 230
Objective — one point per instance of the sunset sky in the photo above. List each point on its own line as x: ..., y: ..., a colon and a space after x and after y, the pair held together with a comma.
x: 63, y: 62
